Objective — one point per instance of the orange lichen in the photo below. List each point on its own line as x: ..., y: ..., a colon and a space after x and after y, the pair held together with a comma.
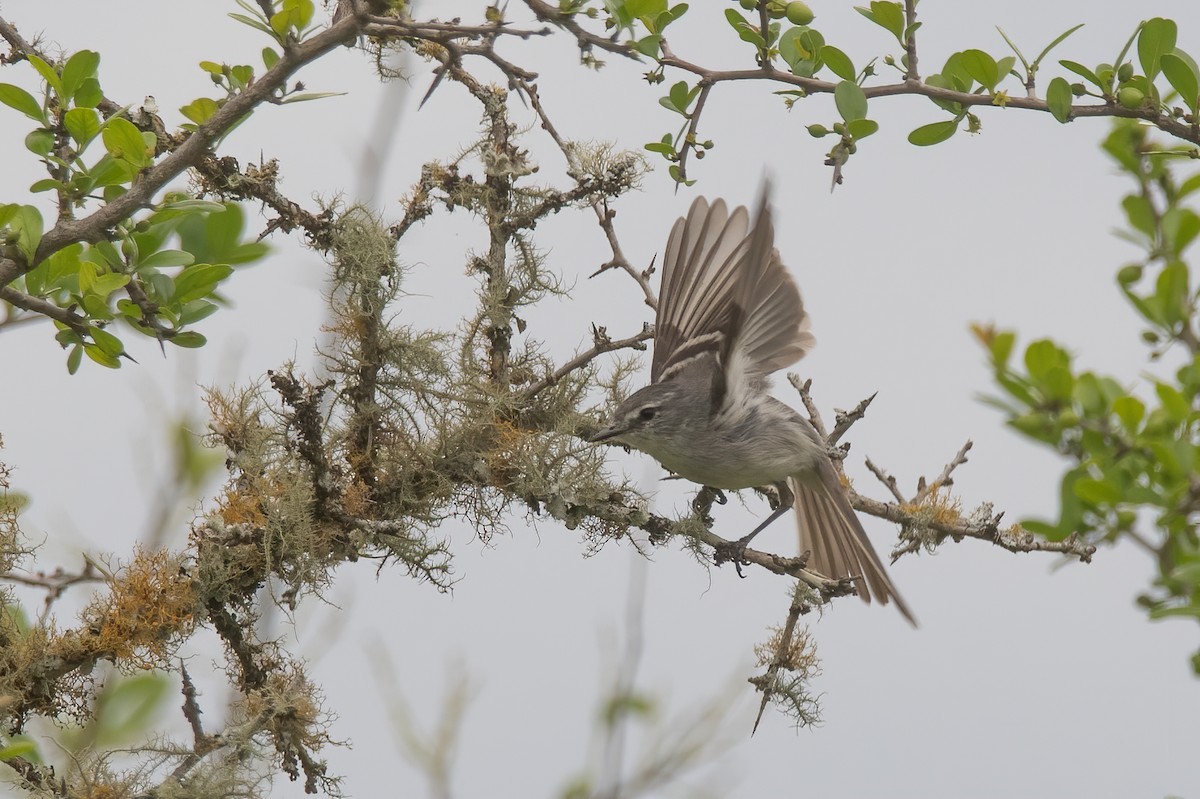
x: 356, y: 499
x: 151, y: 605
x: 938, y: 506
x: 505, y: 442
x: 240, y: 507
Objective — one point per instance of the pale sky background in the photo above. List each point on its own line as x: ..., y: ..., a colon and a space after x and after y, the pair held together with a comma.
x: 1022, y: 680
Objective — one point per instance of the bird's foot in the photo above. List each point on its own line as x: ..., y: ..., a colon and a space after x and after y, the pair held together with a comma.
x: 705, y: 497
x: 733, y: 552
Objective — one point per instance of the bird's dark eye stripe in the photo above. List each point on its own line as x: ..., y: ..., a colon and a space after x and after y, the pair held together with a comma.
x: 647, y: 413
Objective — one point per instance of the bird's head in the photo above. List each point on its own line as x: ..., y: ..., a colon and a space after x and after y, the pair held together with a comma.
x: 648, y: 416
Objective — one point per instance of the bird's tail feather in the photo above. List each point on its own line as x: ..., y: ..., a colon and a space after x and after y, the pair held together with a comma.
x: 831, y: 531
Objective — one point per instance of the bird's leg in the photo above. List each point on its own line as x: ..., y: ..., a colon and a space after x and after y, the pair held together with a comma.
x: 736, y: 550
x: 705, y: 498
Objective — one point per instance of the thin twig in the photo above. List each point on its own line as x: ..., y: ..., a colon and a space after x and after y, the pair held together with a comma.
x: 844, y: 420
x: 944, y: 479
x: 602, y: 345
x: 814, y: 415
x: 888, y: 481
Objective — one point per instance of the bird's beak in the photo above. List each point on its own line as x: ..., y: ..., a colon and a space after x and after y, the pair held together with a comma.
x: 605, y: 434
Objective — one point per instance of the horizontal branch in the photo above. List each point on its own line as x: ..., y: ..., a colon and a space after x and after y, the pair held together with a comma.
x: 983, y: 525
x: 27, y: 302
x: 1176, y: 128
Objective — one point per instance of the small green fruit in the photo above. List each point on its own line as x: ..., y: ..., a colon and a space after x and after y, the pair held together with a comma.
x: 749, y: 5
x: 1130, y: 97
x: 799, y: 14
x: 1130, y: 274
x: 1125, y: 72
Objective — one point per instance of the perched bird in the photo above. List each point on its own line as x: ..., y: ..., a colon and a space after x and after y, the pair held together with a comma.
x: 729, y: 315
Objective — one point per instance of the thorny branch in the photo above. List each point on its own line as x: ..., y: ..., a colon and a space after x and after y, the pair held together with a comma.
x: 929, y: 517
x: 1184, y: 129
x: 54, y: 583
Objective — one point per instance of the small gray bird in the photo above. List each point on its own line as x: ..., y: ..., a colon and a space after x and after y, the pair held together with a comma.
x: 729, y: 315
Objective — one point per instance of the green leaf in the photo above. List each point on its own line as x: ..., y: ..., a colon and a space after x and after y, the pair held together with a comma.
x: 96, y: 307
x: 47, y: 184
x: 39, y: 142
x: 1182, y: 77
x: 1089, y: 396
x: 252, y: 22
x: 124, y: 142
x: 27, y: 223
x: 110, y: 171
x: 305, y: 9
x: 1171, y: 291
x: 861, y: 128
x: 48, y: 74
x: 1157, y: 38
x: 681, y: 96
x: 196, y: 310
x: 677, y: 175
x: 83, y: 124
x: 1059, y: 99
x: 1071, y: 508
x: 189, y: 339
x: 1042, y: 356
x: 200, y: 110
x: 164, y: 258
x: 1004, y: 66
x: 1140, y: 214
x: 889, y: 16
x: 126, y: 708
x: 981, y: 67
x: 73, y: 359
x: 79, y: 68
x: 1180, y: 225
x: 838, y: 62
x: 1059, y: 384
x: 1045, y: 530
x: 107, y: 283
x: 270, y: 57
x: 801, y: 49
x: 1097, y: 492
x: 89, y: 94
x: 199, y: 281
x: 647, y: 46
x: 110, y: 344
x: 933, y: 133
x: 20, y: 748
x: 850, y: 99
x: 1173, y: 402
x: 17, y: 98
x: 1130, y: 411
x: 216, y: 237
x: 1059, y: 40
x: 101, y: 357
x: 1083, y: 72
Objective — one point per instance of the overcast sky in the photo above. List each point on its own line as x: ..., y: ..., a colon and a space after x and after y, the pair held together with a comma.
x: 1023, y: 679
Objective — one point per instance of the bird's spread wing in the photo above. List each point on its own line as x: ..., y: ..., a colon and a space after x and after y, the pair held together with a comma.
x: 725, y: 293
x: 698, y: 281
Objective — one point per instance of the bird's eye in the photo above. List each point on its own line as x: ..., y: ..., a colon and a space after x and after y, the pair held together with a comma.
x: 647, y: 413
